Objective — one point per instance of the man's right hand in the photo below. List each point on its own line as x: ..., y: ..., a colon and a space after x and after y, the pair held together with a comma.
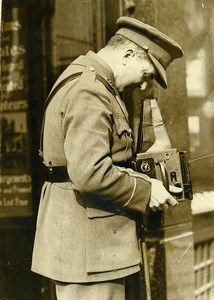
x: 160, y: 197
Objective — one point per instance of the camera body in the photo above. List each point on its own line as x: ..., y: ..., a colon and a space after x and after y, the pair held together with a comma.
x: 170, y: 166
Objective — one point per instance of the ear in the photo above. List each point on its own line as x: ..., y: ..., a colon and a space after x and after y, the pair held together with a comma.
x: 129, y: 53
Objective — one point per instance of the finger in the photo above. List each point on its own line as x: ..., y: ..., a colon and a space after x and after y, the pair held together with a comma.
x: 172, y: 201
x: 153, y: 208
x: 155, y: 205
x: 153, y: 202
x: 165, y: 206
x: 175, y: 189
x: 159, y: 207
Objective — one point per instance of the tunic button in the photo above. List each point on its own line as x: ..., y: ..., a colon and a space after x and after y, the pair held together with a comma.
x: 91, y: 69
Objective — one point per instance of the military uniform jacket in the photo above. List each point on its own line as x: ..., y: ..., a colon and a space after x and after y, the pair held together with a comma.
x: 86, y: 228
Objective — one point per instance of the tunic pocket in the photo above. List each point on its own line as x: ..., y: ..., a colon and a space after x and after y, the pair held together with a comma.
x: 123, y: 127
x: 111, y: 242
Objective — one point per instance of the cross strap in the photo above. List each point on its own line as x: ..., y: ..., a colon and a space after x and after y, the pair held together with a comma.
x: 109, y: 86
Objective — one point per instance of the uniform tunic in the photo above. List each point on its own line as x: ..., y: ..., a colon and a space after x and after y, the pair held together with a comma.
x: 86, y: 228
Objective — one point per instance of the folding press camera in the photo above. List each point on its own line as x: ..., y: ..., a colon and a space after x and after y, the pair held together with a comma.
x: 170, y: 166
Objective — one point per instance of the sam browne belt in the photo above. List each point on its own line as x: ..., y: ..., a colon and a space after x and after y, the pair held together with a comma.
x: 60, y: 173
x: 56, y: 174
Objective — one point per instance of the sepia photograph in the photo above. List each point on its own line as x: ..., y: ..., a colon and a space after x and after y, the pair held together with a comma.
x: 107, y: 150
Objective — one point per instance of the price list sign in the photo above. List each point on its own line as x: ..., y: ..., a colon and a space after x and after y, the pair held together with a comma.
x: 15, y: 177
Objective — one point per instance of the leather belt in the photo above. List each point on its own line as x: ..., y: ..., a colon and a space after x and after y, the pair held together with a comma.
x: 126, y: 164
x: 57, y: 174
x: 60, y: 173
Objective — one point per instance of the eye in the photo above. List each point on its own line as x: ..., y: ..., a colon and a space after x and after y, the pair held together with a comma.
x: 148, y: 76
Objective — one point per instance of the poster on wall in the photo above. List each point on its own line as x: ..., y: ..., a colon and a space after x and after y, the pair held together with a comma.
x: 15, y: 177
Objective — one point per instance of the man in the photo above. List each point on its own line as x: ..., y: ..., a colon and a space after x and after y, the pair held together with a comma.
x: 86, y: 230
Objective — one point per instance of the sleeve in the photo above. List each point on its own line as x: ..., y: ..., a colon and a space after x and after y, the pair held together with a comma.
x: 87, y: 129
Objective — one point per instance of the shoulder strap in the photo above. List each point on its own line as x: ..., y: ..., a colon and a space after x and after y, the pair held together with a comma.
x: 73, y: 76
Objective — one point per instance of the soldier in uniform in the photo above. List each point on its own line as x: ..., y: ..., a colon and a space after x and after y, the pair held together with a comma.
x: 86, y: 237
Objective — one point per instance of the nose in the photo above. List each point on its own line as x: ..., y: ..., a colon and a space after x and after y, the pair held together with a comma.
x: 144, y: 85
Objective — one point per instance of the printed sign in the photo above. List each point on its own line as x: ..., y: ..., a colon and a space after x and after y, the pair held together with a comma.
x: 15, y: 177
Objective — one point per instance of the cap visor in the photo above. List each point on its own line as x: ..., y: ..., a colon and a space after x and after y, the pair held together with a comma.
x: 161, y: 76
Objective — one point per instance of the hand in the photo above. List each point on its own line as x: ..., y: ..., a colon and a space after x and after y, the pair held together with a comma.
x: 160, y: 197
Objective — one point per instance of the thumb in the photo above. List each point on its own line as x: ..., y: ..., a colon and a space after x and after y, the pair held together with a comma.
x: 174, y: 189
